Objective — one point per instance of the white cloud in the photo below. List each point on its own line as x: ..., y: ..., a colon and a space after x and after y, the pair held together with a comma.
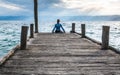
x: 11, y: 9
x: 61, y: 7
x: 10, y: 6
x: 94, y: 7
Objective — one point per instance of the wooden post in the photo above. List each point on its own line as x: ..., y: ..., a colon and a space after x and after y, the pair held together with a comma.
x: 31, y: 30
x: 23, y: 37
x: 73, y: 28
x: 36, y: 15
x: 105, y: 37
x: 83, y: 30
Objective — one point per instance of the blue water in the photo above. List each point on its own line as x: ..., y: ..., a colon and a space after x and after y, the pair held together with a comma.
x: 10, y: 32
x: 9, y: 35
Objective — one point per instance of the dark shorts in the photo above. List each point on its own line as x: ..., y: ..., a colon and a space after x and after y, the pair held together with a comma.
x: 58, y: 31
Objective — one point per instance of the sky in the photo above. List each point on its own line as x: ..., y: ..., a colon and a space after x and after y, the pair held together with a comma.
x: 60, y: 7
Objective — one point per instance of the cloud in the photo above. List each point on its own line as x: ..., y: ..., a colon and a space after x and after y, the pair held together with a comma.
x: 15, y: 8
x: 96, y: 7
x: 26, y: 7
x: 25, y: 4
x: 80, y: 7
x: 10, y: 6
x: 61, y: 7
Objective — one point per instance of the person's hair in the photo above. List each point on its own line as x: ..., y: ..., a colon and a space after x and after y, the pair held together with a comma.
x: 58, y: 20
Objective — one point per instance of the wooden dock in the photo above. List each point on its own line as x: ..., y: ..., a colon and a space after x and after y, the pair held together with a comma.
x: 62, y: 54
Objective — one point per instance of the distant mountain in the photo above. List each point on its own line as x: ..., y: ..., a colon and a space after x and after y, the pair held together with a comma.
x: 12, y: 18
x: 64, y: 18
x: 80, y: 18
x: 96, y: 18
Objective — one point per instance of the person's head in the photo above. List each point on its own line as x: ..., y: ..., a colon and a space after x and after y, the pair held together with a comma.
x: 58, y: 20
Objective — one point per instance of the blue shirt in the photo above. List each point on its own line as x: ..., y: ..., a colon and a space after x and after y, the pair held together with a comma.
x: 58, y: 27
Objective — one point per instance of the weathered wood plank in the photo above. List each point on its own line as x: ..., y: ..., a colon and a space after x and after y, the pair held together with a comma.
x: 62, y: 54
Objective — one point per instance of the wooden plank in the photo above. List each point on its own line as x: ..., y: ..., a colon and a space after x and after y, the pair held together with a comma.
x: 62, y: 54
x: 10, y: 53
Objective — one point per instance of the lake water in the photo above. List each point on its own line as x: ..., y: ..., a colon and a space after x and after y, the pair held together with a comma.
x: 10, y: 32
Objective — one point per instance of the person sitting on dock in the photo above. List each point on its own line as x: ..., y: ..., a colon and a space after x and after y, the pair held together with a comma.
x: 57, y: 27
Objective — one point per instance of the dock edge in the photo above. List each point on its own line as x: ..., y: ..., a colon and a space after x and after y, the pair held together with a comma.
x: 9, y: 54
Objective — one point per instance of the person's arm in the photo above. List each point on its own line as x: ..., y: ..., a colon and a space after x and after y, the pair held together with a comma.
x: 53, y: 29
x: 63, y: 29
